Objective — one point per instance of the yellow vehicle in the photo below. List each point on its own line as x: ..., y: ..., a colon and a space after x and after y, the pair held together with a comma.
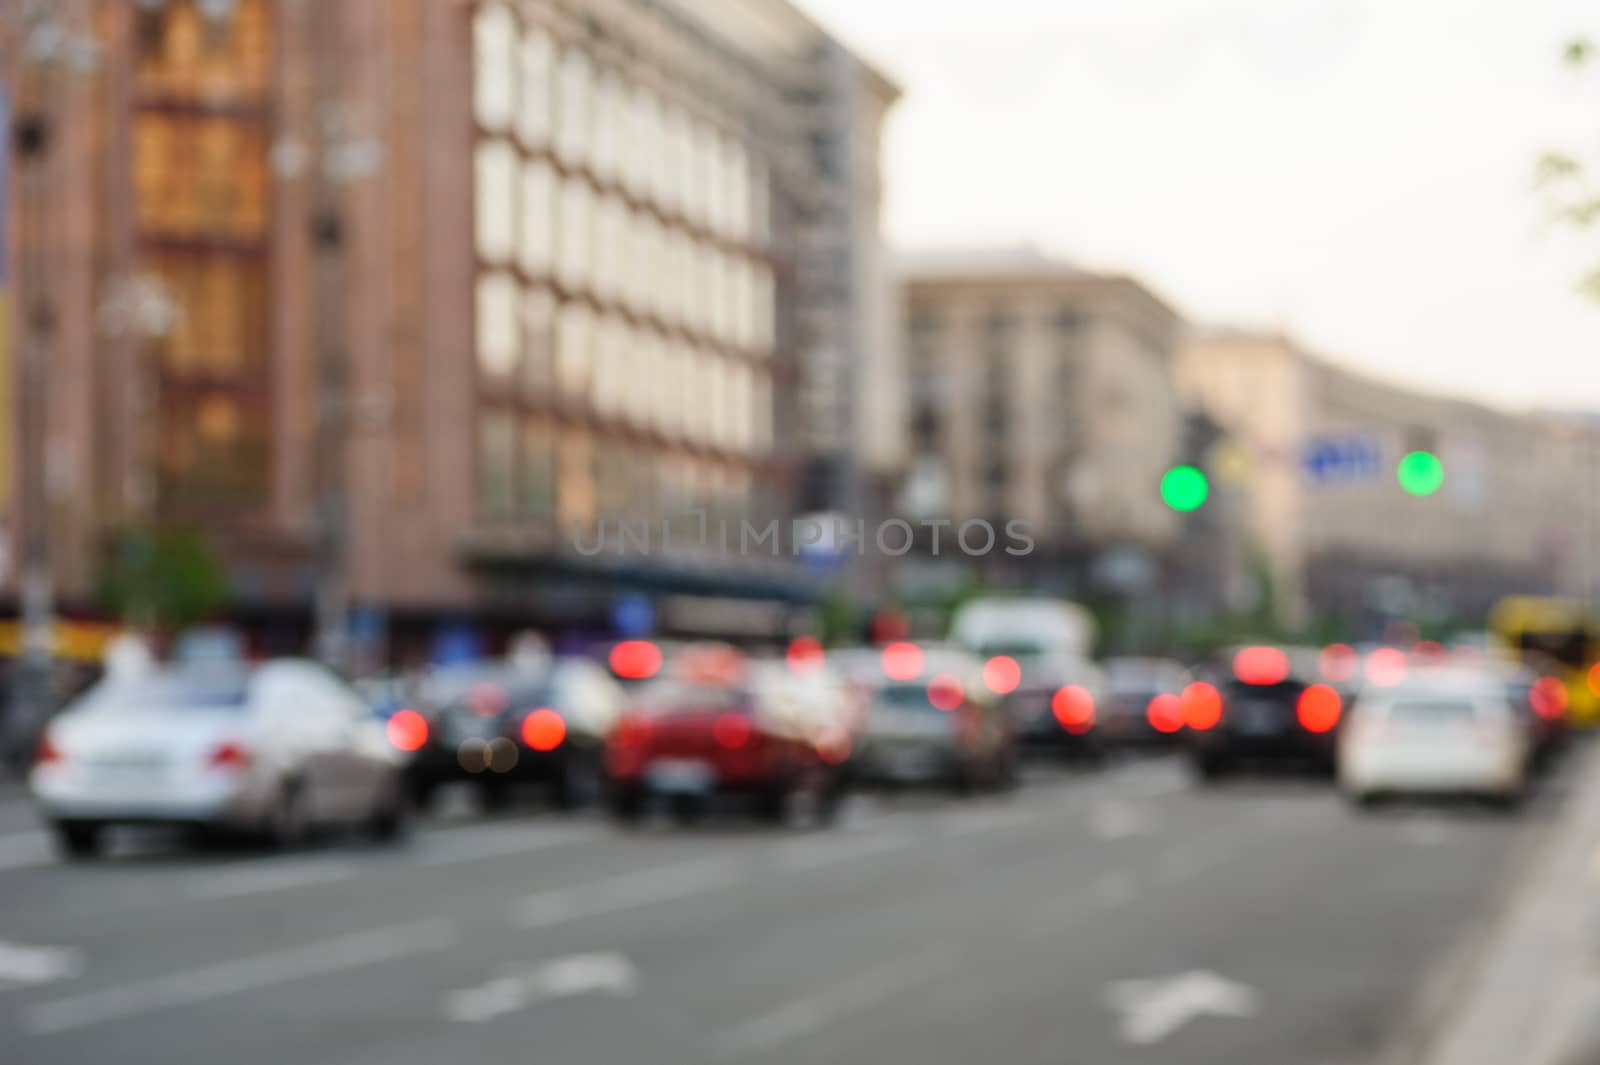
x: 1562, y: 631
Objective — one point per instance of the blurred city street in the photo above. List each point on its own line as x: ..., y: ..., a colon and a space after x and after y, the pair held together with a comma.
x: 918, y: 932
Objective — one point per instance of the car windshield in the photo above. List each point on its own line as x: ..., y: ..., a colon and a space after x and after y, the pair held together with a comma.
x: 906, y: 697
x: 1432, y: 711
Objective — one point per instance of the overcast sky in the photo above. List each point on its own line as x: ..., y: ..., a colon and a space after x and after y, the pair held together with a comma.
x: 1356, y: 171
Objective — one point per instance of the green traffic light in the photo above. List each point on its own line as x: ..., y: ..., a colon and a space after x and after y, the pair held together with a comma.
x: 1184, y: 488
x: 1421, y: 473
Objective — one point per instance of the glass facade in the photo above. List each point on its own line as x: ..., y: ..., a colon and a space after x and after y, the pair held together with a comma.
x: 623, y: 284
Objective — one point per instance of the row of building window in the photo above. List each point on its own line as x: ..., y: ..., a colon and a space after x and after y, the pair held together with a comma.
x: 186, y: 54
x: 530, y: 468
x: 545, y: 95
x: 528, y: 215
x: 531, y: 342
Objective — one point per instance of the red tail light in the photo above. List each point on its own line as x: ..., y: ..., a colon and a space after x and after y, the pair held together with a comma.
x: 1074, y: 709
x: 1165, y: 713
x: 635, y: 659
x: 407, y: 730
x: 47, y: 753
x: 1202, y: 706
x: 1548, y: 698
x: 544, y: 730
x: 731, y: 731
x: 1002, y: 674
x: 1261, y: 665
x: 230, y: 756
x: 1319, y: 708
x: 630, y: 731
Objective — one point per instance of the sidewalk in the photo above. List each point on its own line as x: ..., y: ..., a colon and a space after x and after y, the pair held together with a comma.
x: 1531, y: 993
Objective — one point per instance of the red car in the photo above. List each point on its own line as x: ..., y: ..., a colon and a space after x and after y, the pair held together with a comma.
x: 769, y: 736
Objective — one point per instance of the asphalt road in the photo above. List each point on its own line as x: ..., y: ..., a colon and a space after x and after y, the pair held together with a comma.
x: 1120, y: 917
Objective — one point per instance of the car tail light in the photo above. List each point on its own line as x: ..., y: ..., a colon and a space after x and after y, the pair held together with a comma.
x: 635, y: 660
x: 1261, y: 665
x: 230, y: 756
x: 544, y: 730
x: 1319, y: 708
x: 1073, y: 708
x: 1548, y: 698
x: 407, y: 730
x: 1165, y: 713
x: 731, y: 731
x: 1202, y: 706
x: 630, y: 731
x: 47, y: 753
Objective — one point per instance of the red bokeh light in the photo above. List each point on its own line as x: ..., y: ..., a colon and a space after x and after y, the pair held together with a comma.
x: 1548, y: 698
x: 1002, y: 674
x: 902, y: 661
x: 1261, y: 665
x: 635, y: 659
x: 1339, y: 662
x: 1165, y: 713
x: 945, y: 692
x: 1386, y: 667
x: 543, y: 730
x: 805, y: 654
x: 1074, y: 709
x: 407, y: 730
x: 1202, y: 706
x: 1319, y: 708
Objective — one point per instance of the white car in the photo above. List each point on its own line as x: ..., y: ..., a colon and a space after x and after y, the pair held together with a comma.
x: 274, y: 749
x: 1445, y: 731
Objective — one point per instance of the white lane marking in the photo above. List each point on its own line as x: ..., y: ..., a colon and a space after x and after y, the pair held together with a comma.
x: 1153, y: 1010
x: 1114, y: 819
x: 326, y: 956
x: 25, y: 849
x: 520, y: 986
x: 807, y: 1015
x: 992, y: 819
x: 271, y: 876
x: 21, y: 964
x: 498, y: 844
x: 811, y: 854
x: 629, y: 891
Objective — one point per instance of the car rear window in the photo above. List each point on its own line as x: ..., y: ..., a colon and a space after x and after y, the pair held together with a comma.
x: 905, y: 697
x: 1442, y: 711
x: 200, y: 690
x: 678, y: 697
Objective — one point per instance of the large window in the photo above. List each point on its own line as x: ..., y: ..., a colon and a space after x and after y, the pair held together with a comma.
x: 573, y: 104
x: 494, y: 83
x: 538, y: 469
x: 496, y: 199
x: 497, y: 463
x: 574, y: 350
x: 198, y: 177
x: 536, y: 240
x: 536, y: 106
x: 538, y: 346
x: 499, y: 336
x: 576, y: 247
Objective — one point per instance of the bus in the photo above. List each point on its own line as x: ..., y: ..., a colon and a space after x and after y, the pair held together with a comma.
x: 1563, y: 632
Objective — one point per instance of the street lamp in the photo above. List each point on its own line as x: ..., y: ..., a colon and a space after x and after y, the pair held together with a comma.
x: 141, y: 308
x: 48, y: 49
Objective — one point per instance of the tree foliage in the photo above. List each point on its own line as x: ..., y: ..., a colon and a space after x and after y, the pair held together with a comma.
x: 163, y: 578
x: 1566, y: 181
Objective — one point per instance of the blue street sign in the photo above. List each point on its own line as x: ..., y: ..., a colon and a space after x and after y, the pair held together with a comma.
x: 456, y: 645
x: 633, y: 616
x: 1334, y: 459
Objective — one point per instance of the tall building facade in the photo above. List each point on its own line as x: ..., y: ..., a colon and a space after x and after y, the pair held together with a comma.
x: 571, y: 242
x: 1044, y: 393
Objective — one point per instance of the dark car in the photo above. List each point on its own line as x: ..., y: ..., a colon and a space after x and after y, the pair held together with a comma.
x: 1056, y: 706
x: 1142, y: 702
x: 504, y: 729
x: 766, y: 735
x: 1262, y: 705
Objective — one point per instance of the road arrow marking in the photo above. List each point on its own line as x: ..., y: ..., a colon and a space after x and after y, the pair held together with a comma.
x: 1153, y: 1010
x: 37, y: 965
x: 520, y: 986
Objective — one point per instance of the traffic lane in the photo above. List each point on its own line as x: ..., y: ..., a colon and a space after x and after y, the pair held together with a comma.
x: 1320, y: 941
x: 702, y: 933
x: 227, y: 939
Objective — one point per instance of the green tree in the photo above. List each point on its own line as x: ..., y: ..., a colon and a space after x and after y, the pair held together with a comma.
x: 1566, y: 181
x: 163, y: 578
